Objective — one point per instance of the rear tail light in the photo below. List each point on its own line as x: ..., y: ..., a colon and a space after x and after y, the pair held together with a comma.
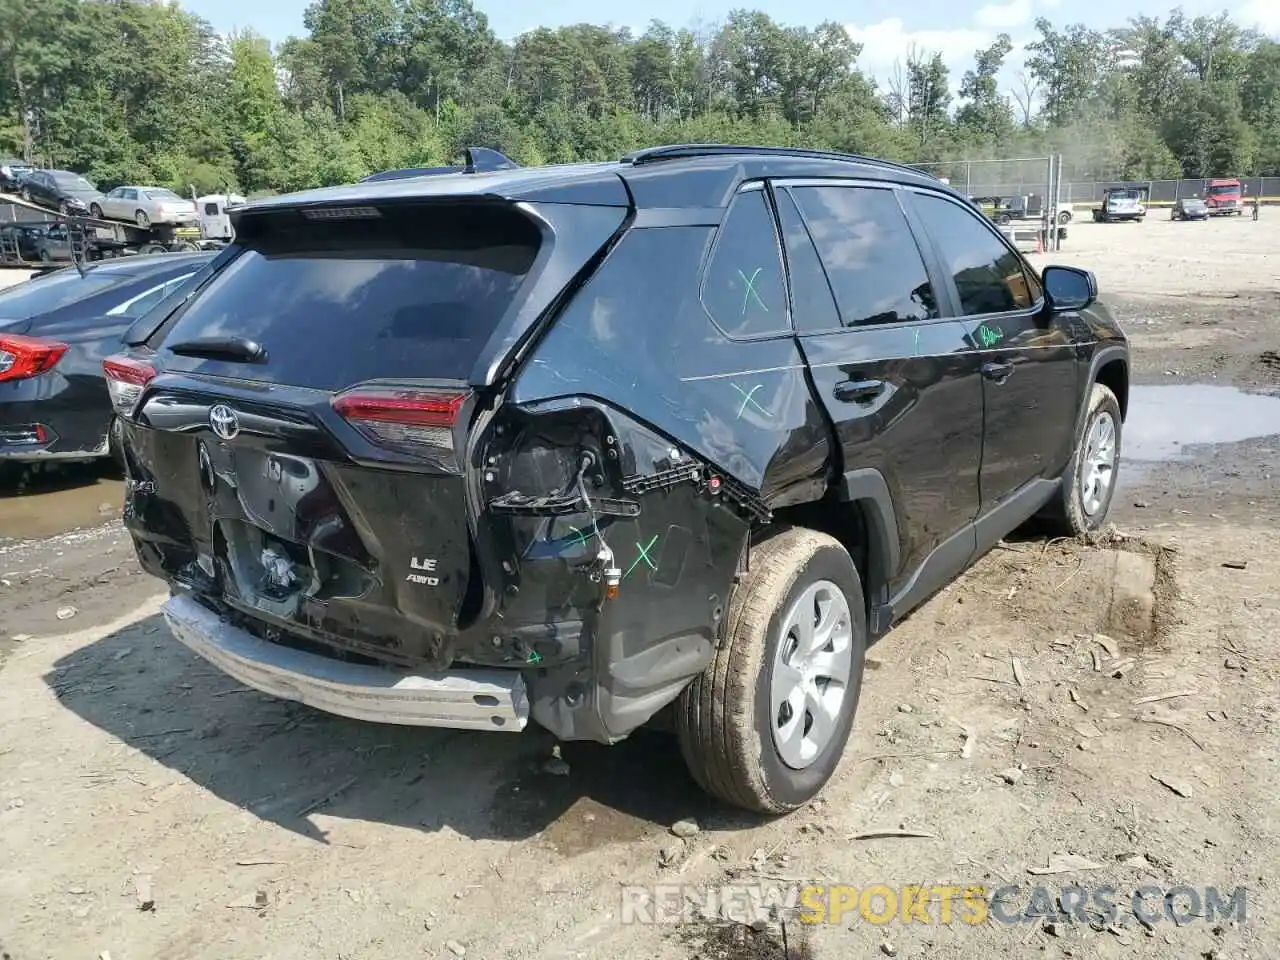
x: 23, y: 357
x: 418, y: 422
x: 126, y: 379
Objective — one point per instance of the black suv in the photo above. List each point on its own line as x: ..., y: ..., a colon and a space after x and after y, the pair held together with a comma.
x: 577, y: 443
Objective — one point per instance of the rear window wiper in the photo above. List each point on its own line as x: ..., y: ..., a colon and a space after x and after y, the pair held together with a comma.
x: 234, y: 349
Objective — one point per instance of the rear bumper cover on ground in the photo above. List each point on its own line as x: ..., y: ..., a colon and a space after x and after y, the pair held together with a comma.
x: 479, y: 699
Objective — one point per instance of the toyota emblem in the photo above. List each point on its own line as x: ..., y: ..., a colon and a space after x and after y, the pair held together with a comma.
x: 224, y: 422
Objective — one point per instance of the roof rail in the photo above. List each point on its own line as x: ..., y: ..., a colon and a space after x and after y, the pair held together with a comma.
x: 479, y: 160
x: 685, y: 151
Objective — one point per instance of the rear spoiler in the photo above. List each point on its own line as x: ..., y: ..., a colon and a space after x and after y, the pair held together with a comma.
x: 479, y: 160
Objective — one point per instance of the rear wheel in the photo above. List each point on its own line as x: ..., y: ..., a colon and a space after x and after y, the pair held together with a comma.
x: 1064, y: 216
x: 141, y: 219
x: 765, y: 726
x: 1089, y: 482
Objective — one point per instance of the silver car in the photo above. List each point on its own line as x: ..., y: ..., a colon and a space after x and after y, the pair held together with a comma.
x: 145, y: 206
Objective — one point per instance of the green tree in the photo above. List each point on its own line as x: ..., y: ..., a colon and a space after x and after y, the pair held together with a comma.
x: 987, y: 114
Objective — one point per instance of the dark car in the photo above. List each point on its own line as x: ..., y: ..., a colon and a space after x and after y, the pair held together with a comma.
x: 60, y: 190
x: 54, y: 332
x: 578, y: 443
x: 12, y: 173
x: 1189, y: 208
x: 20, y: 242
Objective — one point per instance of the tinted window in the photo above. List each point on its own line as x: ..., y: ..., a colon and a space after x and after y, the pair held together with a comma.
x: 49, y: 293
x: 870, y: 256
x: 162, y: 195
x: 811, y: 301
x: 987, y: 273
x: 415, y: 293
x: 210, y: 209
x: 743, y: 289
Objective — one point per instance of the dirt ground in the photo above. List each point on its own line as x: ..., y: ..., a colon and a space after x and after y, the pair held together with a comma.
x: 1066, y: 715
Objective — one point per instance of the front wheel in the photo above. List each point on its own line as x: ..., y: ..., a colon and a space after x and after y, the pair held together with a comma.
x: 1089, y: 482
x: 1064, y: 217
x: 764, y: 727
x: 95, y: 211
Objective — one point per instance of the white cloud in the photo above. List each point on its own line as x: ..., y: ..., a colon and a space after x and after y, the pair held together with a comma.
x: 1264, y: 14
x: 1004, y: 16
x: 889, y: 42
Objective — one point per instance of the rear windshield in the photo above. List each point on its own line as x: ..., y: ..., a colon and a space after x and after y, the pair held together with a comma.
x: 414, y: 293
x: 51, y: 292
x: 161, y: 195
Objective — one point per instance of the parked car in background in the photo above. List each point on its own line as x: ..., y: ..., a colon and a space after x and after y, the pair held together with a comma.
x: 22, y: 239
x: 54, y: 332
x: 60, y: 190
x: 145, y: 206
x: 54, y: 243
x: 418, y: 452
x: 12, y: 173
x: 1189, y: 208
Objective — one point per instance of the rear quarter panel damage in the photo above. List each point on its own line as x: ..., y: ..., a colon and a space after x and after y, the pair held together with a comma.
x: 635, y: 372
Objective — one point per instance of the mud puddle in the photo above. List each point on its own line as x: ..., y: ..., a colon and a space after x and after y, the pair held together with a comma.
x: 54, y: 500
x: 1164, y: 421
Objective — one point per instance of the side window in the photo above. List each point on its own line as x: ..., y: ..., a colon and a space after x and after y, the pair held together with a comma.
x: 130, y: 194
x: 873, y: 264
x: 988, y: 274
x: 811, y: 302
x: 210, y: 209
x: 743, y: 289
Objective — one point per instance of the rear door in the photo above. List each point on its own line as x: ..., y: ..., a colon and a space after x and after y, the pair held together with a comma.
x: 306, y: 435
x: 1028, y: 357
x: 898, y: 378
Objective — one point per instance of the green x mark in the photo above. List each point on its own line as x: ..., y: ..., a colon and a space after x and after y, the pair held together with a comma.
x: 581, y: 537
x: 748, y: 399
x: 751, y: 293
x: 644, y: 555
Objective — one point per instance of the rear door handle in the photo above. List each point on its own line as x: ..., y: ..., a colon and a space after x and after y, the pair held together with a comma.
x: 858, y: 391
x: 997, y: 370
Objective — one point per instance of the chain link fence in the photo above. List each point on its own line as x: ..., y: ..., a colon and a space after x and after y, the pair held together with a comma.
x: 1167, y: 191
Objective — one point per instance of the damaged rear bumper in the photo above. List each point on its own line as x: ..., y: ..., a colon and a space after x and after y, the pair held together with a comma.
x: 479, y: 699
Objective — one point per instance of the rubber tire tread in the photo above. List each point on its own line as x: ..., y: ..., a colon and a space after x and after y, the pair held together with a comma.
x: 715, y: 720
x: 1066, y: 514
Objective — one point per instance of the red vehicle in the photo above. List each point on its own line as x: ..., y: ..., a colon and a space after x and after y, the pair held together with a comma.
x: 1224, y: 198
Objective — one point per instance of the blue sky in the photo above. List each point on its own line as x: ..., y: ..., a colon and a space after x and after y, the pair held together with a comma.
x: 887, y: 28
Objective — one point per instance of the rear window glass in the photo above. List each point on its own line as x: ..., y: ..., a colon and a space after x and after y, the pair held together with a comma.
x: 414, y: 293
x: 52, y: 292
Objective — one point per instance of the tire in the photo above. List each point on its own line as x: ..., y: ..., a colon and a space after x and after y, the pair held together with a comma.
x: 1064, y: 217
x: 1070, y: 515
x: 142, y: 220
x: 725, y: 719
x: 151, y: 248
x: 1003, y: 220
x: 95, y: 211
x: 44, y: 256
x: 26, y: 194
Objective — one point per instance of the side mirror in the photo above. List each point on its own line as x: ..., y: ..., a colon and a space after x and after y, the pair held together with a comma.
x: 1069, y: 288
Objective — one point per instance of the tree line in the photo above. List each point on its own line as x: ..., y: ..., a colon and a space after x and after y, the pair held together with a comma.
x: 139, y: 91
